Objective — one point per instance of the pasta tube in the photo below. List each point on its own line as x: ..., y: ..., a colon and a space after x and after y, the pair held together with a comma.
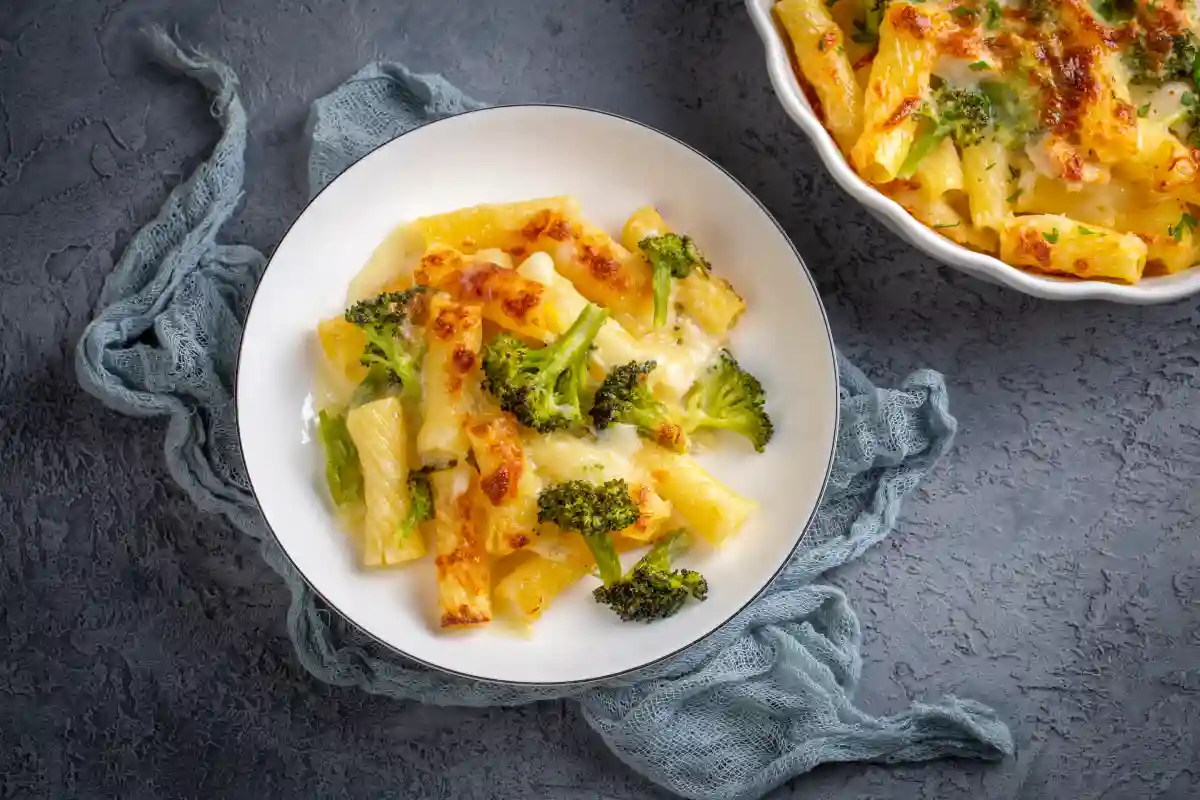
x: 714, y: 511
x: 818, y: 46
x: 463, y: 567
x: 377, y: 429
x: 449, y: 373
x: 898, y: 85
x: 1053, y: 243
x: 507, y: 481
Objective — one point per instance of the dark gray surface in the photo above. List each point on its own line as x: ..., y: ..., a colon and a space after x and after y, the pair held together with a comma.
x: 1050, y: 568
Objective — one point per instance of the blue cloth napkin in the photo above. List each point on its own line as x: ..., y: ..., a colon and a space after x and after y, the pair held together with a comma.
x: 766, y: 698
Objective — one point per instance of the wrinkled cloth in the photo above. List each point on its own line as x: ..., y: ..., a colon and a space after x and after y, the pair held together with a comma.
x: 762, y: 700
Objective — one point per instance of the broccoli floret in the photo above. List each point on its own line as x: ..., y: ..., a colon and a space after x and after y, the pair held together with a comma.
x: 1157, y: 59
x: 420, y: 505
x: 670, y: 256
x: 343, y: 472
x: 1114, y: 12
x: 728, y: 397
x: 541, y: 387
x: 388, y: 347
x: 593, y: 511
x: 652, y: 590
x: 872, y: 18
x: 1013, y: 117
x: 624, y: 398
x: 961, y: 114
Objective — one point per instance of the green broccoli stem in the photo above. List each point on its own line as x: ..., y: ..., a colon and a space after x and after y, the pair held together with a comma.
x: 571, y: 348
x: 922, y: 147
x: 647, y: 420
x: 420, y: 507
x: 872, y: 15
x: 666, y: 550
x: 343, y: 472
x: 662, y: 292
x: 395, y: 357
x: 608, y: 563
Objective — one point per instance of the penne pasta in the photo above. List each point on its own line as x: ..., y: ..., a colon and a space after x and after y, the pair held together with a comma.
x: 489, y: 225
x: 602, y: 270
x: 817, y: 42
x: 341, y: 371
x: 449, y: 375
x: 507, y: 481
x: 503, y: 296
x: 986, y: 180
x: 1164, y: 226
x: 895, y: 92
x: 1058, y: 244
x: 533, y: 583
x: 463, y: 567
x: 708, y: 299
x: 680, y: 355
x: 378, y: 431
x: 711, y: 509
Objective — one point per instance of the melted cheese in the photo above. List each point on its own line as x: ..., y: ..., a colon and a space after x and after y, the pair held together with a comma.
x: 681, y: 349
x: 958, y: 73
x: 682, y: 353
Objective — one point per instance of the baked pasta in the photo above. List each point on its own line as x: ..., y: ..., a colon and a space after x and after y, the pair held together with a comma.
x: 1058, y: 135
x: 515, y: 394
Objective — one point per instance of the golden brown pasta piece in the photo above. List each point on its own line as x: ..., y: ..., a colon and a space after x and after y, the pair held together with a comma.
x: 463, y: 566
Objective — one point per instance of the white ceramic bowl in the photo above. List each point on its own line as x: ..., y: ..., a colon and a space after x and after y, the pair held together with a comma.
x: 613, y: 165
x: 779, y: 66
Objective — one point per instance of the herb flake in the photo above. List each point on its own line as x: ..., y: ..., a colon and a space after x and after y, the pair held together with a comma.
x: 1186, y: 223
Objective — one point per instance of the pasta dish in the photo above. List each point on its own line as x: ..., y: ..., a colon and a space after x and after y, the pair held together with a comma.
x: 1060, y: 135
x: 514, y: 395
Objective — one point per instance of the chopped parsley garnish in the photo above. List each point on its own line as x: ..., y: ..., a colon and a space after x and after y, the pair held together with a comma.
x: 1012, y: 197
x: 1087, y: 231
x: 945, y: 225
x: 1186, y: 222
x: 1113, y: 10
x: 989, y: 166
x: 994, y: 12
x: 1144, y: 111
x: 863, y: 36
x: 979, y: 66
x: 1051, y: 237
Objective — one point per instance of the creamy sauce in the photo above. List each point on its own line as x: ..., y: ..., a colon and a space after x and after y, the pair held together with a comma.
x: 958, y: 73
x: 462, y: 482
x: 682, y: 349
x: 1166, y: 102
x: 681, y: 354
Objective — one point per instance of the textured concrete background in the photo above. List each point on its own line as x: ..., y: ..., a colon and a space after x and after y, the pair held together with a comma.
x: 1050, y: 568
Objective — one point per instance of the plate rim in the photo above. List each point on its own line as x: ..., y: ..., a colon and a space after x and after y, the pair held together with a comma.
x: 802, y: 531
x: 790, y: 95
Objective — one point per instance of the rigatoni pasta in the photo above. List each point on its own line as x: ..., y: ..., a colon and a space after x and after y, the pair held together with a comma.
x: 502, y: 400
x: 449, y: 376
x: 974, y: 114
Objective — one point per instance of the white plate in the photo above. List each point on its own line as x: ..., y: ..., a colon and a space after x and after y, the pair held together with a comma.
x: 1162, y: 289
x: 613, y: 165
